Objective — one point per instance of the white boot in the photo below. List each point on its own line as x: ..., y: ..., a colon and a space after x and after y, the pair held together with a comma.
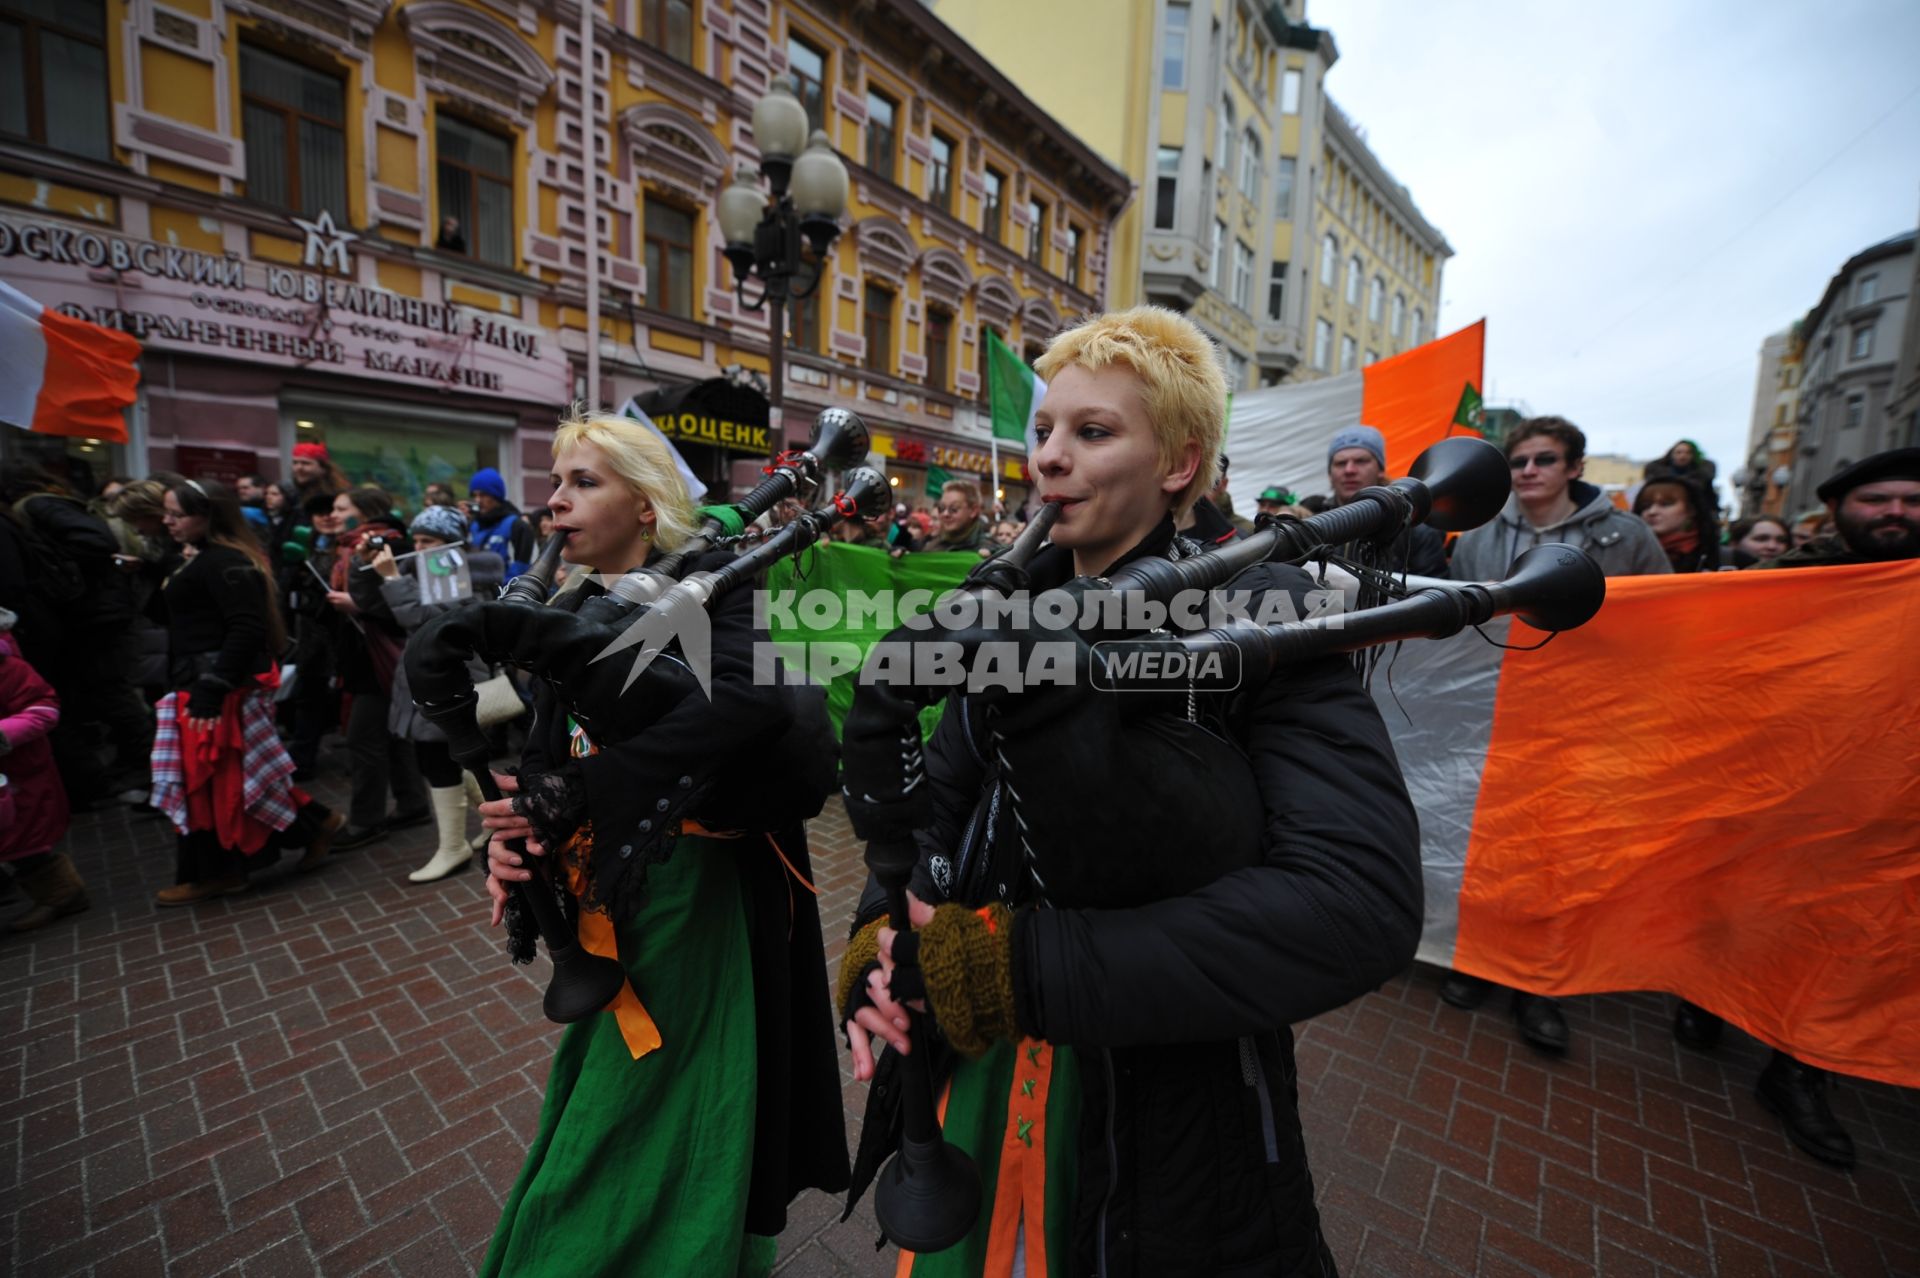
x: 450, y: 815
x: 475, y: 797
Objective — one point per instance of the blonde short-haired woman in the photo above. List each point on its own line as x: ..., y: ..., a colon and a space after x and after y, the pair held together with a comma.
x: 681, y: 1121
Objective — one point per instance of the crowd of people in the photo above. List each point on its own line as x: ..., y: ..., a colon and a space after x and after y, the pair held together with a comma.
x: 225, y: 633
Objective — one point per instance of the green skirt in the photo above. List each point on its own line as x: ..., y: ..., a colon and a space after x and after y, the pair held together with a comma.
x: 642, y: 1167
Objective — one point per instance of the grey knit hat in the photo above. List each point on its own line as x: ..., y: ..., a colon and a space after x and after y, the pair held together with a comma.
x: 444, y: 522
x: 1360, y: 437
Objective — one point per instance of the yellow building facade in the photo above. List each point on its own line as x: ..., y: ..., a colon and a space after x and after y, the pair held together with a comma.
x: 367, y: 222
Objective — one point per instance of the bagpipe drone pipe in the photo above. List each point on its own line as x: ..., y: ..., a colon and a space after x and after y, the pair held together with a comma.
x: 615, y: 700
x: 1064, y: 749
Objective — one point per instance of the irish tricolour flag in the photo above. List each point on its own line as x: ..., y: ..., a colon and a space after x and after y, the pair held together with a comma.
x: 63, y: 376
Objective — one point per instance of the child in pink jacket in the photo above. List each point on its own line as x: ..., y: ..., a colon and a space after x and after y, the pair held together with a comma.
x: 33, y: 803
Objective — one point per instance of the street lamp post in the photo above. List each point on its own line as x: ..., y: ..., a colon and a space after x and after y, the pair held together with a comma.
x: 766, y: 237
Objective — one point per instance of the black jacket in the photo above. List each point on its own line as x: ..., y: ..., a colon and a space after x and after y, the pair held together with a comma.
x: 759, y: 758
x: 1191, y: 1158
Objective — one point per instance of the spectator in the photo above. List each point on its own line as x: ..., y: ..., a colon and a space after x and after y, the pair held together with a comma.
x: 223, y: 629
x: 1550, y: 503
x: 439, y: 494
x: 273, y: 499
x: 1005, y: 530
x: 1318, y: 503
x: 1682, y: 515
x: 307, y: 566
x: 1210, y: 519
x: 1758, y: 539
x: 449, y: 788
x: 1274, y: 500
x: 450, y: 239
x: 1684, y: 461
x: 251, y: 489
x: 1875, y: 504
x: 366, y: 652
x: 958, y: 527
x: 77, y: 630
x: 1357, y: 459
x: 496, y: 526
x: 33, y: 804
x: 314, y: 472
x: 110, y: 489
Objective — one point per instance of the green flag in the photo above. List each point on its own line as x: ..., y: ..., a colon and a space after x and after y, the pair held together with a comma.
x: 1012, y: 391
x: 1467, y: 412
x: 936, y: 480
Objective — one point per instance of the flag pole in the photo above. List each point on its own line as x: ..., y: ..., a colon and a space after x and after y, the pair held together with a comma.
x: 993, y: 480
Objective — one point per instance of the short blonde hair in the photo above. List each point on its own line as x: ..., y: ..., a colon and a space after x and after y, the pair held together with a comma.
x: 966, y: 488
x: 1180, y: 375
x: 642, y: 459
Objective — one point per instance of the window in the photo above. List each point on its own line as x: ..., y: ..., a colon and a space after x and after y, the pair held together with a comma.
x: 1073, y: 255
x: 1250, y: 166
x: 1166, y: 190
x: 476, y: 186
x: 1399, y: 314
x: 53, y: 75
x: 1856, y: 412
x: 804, y: 332
x: 1353, y: 280
x: 1290, y: 93
x: 1322, y: 343
x: 880, y: 134
x: 669, y: 237
x: 1283, y: 178
x: 808, y: 67
x: 1037, y: 233
x: 1346, y: 355
x: 1862, y: 342
x: 1866, y: 290
x: 1173, y: 48
x: 1223, y: 138
x: 1329, y: 260
x: 1214, y: 272
x: 1376, y: 297
x: 940, y: 172
x: 667, y: 25
x: 1373, y: 357
x: 1242, y: 276
x: 1276, y: 291
x: 990, y: 204
x: 939, y: 348
x: 293, y: 121
x: 1236, y: 371
x: 981, y: 347
x: 878, y: 322
x: 1419, y: 324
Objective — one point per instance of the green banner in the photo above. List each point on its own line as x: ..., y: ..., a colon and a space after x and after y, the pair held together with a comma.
x: 937, y: 480
x: 840, y: 569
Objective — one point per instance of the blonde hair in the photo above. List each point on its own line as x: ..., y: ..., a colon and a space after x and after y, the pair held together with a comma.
x: 642, y: 459
x: 966, y: 488
x: 1181, y: 380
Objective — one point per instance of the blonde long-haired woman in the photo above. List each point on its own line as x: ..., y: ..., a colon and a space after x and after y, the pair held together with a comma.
x: 681, y: 1121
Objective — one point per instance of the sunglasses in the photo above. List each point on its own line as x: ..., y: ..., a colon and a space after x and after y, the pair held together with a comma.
x: 1540, y: 461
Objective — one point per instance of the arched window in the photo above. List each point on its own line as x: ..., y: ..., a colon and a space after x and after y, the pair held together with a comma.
x: 1419, y: 324
x: 1250, y: 165
x: 1376, y: 295
x: 1354, y: 269
x: 1329, y: 259
x: 1399, y: 314
x: 1223, y: 139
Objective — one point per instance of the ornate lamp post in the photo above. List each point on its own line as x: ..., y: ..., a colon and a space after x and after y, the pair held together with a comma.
x: 766, y: 237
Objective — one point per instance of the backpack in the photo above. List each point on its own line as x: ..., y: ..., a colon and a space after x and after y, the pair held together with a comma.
x: 57, y: 577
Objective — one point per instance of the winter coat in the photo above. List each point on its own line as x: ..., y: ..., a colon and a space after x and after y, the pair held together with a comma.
x: 754, y: 757
x: 506, y: 533
x: 28, y: 711
x: 364, y: 656
x: 400, y: 598
x: 1191, y: 1159
x: 1621, y: 543
x: 86, y: 538
x: 1821, y: 551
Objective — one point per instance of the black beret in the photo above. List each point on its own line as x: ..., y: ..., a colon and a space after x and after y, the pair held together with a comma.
x: 1895, y: 463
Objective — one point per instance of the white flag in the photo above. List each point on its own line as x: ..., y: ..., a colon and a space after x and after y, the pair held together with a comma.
x: 695, y: 489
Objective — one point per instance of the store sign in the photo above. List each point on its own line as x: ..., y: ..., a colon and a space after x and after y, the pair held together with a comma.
x: 700, y: 428
x: 187, y: 300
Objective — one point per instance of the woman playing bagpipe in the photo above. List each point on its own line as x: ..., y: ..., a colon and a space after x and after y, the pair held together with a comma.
x: 679, y: 1123
x: 1124, y: 1076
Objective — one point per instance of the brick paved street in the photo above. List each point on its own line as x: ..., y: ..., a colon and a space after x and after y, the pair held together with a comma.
x: 339, y: 1074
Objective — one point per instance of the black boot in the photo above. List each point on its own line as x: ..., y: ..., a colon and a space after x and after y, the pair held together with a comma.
x: 1796, y: 1093
x: 1540, y: 1022
x: 1696, y: 1027
x: 1464, y: 991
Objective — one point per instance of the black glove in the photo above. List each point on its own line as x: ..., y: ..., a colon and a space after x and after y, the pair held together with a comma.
x: 206, y: 695
x: 554, y: 803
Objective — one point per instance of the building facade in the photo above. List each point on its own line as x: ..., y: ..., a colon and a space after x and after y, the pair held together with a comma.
x: 1768, y: 470
x: 1852, y: 340
x: 367, y: 222
x: 1217, y: 110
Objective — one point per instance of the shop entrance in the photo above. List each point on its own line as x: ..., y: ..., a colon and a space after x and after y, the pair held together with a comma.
x: 400, y: 447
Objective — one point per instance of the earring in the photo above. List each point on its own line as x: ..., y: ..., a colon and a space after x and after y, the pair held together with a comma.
x: 646, y: 534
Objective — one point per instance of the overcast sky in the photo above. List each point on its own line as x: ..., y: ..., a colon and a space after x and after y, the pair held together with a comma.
x: 1638, y: 193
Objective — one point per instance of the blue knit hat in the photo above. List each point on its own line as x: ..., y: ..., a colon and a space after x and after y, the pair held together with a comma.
x: 443, y: 522
x: 488, y: 481
x: 1360, y: 437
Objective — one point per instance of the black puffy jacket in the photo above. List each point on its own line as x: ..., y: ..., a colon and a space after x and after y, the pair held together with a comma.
x: 1191, y: 1160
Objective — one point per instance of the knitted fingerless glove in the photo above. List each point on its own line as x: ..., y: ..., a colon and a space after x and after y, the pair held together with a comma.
x: 862, y: 956
x: 966, y: 959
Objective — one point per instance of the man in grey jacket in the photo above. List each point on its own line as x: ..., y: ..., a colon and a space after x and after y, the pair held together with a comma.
x: 1550, y: 503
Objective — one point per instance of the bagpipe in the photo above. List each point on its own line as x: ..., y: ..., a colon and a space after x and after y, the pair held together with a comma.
x: 1089, y: 737
x: 613, y: 700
